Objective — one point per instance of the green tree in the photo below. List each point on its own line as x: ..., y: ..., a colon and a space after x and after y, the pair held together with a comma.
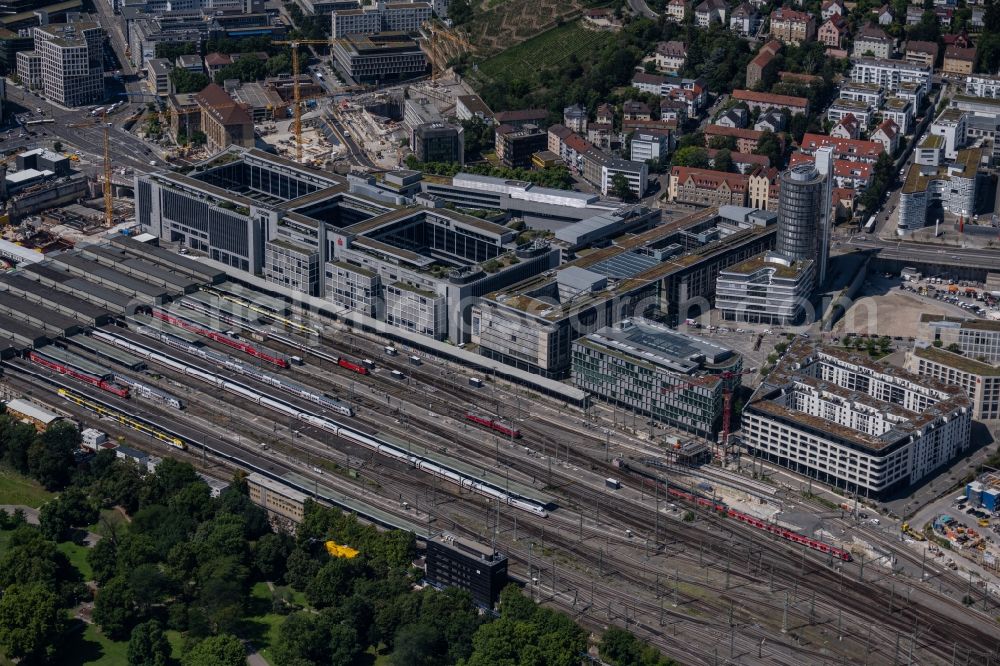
x: 269, y: 556
x: 31, y: 622
x: 460, y: 11
x: 954, y: 348
x: 720, y: 142
x: 301, y: 639
x: 418, y: 645
x: 723, y: 161
x: 50, y: 457
x: 770, y: 145
x: 221, y: 650
x: 103, y: 559
x: 332, y: 582
x: 620, y: 188
x: 148, y: 646
x: 114, y: 608
x: 691, y: 156
x: 478, y: 136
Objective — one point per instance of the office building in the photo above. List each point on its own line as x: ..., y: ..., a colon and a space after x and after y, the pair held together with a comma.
x: 72, y: 62
x: 158, y: 76
x: 380, y: 57
x: 284, y: 505
x: 979, y: 380
x: 380, y: 17
x: 456, y: 562
x: 844, y: 419
x: 767, y: 289
x: 931, y: 180
x: 29, y: 68
x: 976, y: 338
x: 804, y: 206
x: 600, y: 169
x: 658, y: 372
x: 438, y: 142
x: 515, y: 146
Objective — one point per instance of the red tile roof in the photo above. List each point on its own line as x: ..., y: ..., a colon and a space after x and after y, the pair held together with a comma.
x: 854, y: 147
x: 958, y: 53
x: 721, y: 130
x: 780, y: 101
x: 709, y: 179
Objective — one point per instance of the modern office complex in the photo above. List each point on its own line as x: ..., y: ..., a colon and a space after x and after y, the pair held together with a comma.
x: 847, y: 420
x: 979, y: 380
x: 659, y: 372
x: 415, y: 268
x: 768, y: 288
x: 804, y: 211
x: 671, y: 268
x: 976, y: 338
x: 380, y: 17
x: 438, y: 142
x: 380, y: 57
x: 934, y: 180
x: 72, y: 62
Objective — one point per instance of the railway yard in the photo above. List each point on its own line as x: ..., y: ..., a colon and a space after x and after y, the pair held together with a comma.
x: 170, y: 356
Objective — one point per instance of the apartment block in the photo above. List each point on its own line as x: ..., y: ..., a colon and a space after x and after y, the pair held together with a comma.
x: 792, y: 27
x: 889, y: 74
x: 979, y: 380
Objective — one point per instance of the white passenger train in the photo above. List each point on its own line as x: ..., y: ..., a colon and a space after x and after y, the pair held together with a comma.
x: 324, y: 423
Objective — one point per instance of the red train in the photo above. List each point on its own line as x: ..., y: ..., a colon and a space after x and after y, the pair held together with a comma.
x: 353, y: 367
x: 777, y: 530
x: 239, y: 345
x: 493, y: 424
x: 100, y: 383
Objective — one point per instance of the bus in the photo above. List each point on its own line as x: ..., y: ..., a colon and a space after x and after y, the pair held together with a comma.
x: 870, y: 225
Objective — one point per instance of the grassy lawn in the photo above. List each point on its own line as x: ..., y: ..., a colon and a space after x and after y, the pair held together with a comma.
x: 176, y: 641
x: 77, y: 555
x: 547, y: 49
x: 17, y: 489
x: 85, y: 644
x: 110, y: 518
x: 261, y: 627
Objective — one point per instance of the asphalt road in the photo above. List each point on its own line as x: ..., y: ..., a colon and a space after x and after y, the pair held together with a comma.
x: 918, y: 252
x: 642, y: 9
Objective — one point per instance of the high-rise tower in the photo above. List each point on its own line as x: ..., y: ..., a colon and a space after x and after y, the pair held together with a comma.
x: 804, y: 212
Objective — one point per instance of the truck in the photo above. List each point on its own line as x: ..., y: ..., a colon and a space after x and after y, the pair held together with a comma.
x: 613, y: 484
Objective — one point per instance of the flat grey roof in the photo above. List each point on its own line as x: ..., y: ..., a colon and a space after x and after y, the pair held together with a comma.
x: 663, y: 346
x: 51, y: 320
x: 168, y: 259
x: 12, y: 329
x: 88, y: 267
x: 29, y: 287
x: 135, y: 266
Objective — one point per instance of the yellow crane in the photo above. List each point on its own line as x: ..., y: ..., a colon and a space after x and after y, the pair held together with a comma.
x: 109, y: 208
x: 296, y: 91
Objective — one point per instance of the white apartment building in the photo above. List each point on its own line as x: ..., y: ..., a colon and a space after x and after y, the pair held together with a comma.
x: 952, y: 125
x: 869, y: 93
x: 899, y: 111
x: 649, y: 146
x: 382, y: 17
x: 846, y: 420
x: 982, y: 85
x: 72, y: 62
x: 768, y: 288
x: 889, y: 74
x: 848, y: 107
x: 979, y: 380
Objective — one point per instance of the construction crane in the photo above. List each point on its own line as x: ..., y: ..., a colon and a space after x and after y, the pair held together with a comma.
x: 727, y: 399
x: 296, y: 91
x: 109, y: 208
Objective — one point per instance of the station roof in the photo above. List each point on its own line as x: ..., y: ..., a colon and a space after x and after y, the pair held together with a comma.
x: 89, y: 268
x: 168, y: 259
x: 22, y: 334
x: 50, y: 320
x: 36, y: 291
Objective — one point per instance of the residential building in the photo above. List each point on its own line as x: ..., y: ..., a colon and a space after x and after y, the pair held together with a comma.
x: 953, y: 184
x: 215, y: 62
x: 768, y: 101
x: 438, y: 142
x: 831, y: 8
x: 976, y: 338
x: 385, y: 56
x: 670, y: 57
x: 745, y: 163
x: 746, y: 139
x: 184, y: 114
x: 767, y: 289
x: 710, y: 11
x: 192, y: 63
x: 648, y: 368
x: 456, y: 562
x: 889, y: 74
x: 676, y: 10
x: 860, y: 111
x: 762, y: 63
x: 72, y: 62
x: 520, y: 118
x: 636, y: 110
x: 847, y: 127
x: 282, y: 503
x: 834, y: 31
x: 704, y: 187
x: 888, y: 135
x: 844, y: 419
x: 649, y: 145
x: 745, y: 20
x: 158, y: 76
x: 843, y: 149
x: 792, y: 27
x: 575, y: 118
x: 979, y: 85
x: 872, y: 42
x: 979, y: 380
x: 379, y: 17
x: 763, y: 188
x: 468, y: 107
x: 606, y: 114
x: 959, y: 60
x: 602, y: 135
x: 912, y: 91
x: 734, y: 117
x: 224, y: 121
x: 600, y: 169
x: 869, y: 93
x: 900, y: 111
x: 883, y: 15
x: 952, y: 125
x: 921, y: 53
x: 514, y: 147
